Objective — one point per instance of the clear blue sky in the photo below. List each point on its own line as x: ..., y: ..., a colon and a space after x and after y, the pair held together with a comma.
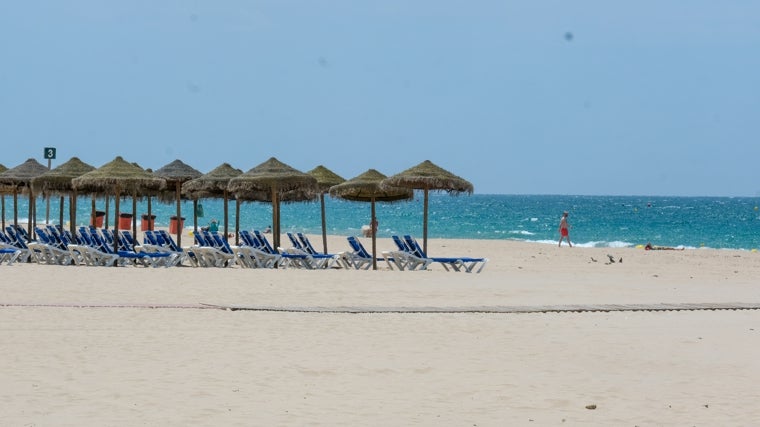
x: 519, y: 97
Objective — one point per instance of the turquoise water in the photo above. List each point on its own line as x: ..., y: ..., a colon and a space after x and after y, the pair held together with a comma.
x: 604, y: 221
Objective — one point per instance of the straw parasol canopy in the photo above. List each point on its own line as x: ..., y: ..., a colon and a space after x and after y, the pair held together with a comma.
x: 277, y: 179
x: 58, y: 181
x: 212, y: 184
x: 176, y: 173
x: 119, y: 176
x: 368, y: 187
x: 21, y: 176
x: 428, y: 176
x: 325, y: 179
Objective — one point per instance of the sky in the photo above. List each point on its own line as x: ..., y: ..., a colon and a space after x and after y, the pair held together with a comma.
x: 519, y: 97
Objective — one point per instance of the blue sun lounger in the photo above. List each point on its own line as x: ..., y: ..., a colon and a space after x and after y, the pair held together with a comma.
x: 361, y: 259
x: 299, y: 256
x: 8, y: 252
x: 14, y: 238
x: 262, y: 252
x: 465, y: 264
x: 303, y: 246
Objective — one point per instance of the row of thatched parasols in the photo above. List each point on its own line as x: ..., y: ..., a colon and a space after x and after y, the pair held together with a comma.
x: 272, y: 182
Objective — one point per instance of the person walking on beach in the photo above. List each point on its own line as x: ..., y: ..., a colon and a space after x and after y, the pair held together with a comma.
x: 564, y: 230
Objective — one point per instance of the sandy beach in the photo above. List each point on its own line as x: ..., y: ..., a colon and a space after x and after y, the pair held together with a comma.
x: 135, y: 346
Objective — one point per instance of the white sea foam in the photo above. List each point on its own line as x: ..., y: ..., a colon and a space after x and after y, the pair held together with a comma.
x: 618, y: 244
x: 595, y: 244
x: 591, y: 244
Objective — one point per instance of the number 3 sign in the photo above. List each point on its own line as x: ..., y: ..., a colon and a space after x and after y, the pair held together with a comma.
x: 49, y: 153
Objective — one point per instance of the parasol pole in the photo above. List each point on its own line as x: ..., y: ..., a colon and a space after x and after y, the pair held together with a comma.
x: 73, y: 212
x: 425, y: 221
x: 324, y: 229
x: 93, y: 210
x: 195, y: 216
x: 374, y: 235
x: 108, y: 205
x: 226, y: 217
x: 275, y: 218
x: 237, y: 219
x: 47, y: 200
x: 179, y: 216
x: 116, y: 220
x: 150, y: 213
x: 15, y: 207
x: 134, y: 217
x: 60, y: 212
x: 32, y: 212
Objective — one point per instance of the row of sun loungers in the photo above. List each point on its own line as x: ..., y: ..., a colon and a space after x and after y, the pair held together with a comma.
x: 94, y: 247
x: 89, y: 247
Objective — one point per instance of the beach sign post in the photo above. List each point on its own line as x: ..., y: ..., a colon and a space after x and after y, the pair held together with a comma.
x: 49, y: 154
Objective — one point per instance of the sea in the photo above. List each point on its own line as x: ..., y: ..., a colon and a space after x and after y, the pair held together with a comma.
x: 596, y: 221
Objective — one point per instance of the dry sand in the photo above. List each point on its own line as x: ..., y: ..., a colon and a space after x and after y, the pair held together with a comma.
x: 80, y: 348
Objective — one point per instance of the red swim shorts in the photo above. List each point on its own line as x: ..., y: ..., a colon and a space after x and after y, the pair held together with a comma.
x: 563, y: 232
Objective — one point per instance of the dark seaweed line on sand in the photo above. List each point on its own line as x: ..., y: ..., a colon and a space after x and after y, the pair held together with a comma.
x: 577, y: 308
x: 499, y: 309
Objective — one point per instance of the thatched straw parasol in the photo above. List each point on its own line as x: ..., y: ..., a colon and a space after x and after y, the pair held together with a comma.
x: 428, y: 176
x: 21, y: 176
x: 58, y: 181
x: 118, y: 176
x: 325, y: 179
x: 368, y: 187
x: 176, y: 173
x: 213, y: 184
x: 275, y: 178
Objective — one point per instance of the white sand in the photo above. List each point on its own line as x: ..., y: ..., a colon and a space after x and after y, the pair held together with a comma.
x: 188, y: 366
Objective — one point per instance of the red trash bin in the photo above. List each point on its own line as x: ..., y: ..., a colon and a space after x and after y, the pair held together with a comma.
x: 147, y: 223
x: 98, y: 220
x: 173, y: 224
x: 125, y: 221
